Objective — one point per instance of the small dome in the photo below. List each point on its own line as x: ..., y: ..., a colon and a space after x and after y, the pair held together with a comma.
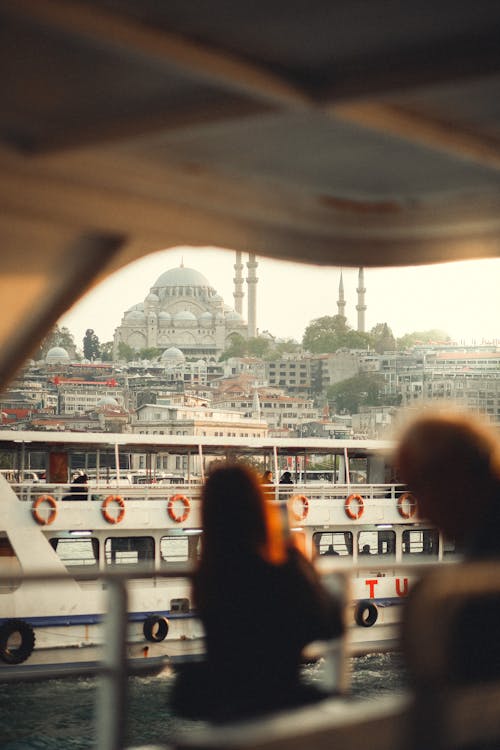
x: 135, y: 315
x: 107, y: 401
x: 56, y: 355
x: 235, y: 316
x: 164, y: 318
x: 138, y: 306
x: 184, y: 315
x: 172, y: 354
x: 206, y: 319
x: 152, y: 299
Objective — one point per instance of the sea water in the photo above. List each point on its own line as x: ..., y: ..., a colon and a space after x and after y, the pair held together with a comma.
x: 60, y: 714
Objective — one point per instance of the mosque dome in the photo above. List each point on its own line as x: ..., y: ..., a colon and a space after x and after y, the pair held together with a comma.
x: 185, y: 318
x: 135, y: 315
x: 234, y: 316
x: 107, y: 402
x: 57, y: 355
x: 164, y: 318
x: 152, y: 299
x: 206, y: 318
x: 172, y: 355
x: 181, y: 277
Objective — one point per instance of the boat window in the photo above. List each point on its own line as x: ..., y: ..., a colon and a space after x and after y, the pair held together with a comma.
x: 129, y: 550
x: 450, y: 547
x: 358, y: 470
x: 420, y: 542
x: 80, y: 555
x: 333, y: 542
x: 377, y: 542
x: 178, y: 549
x: 9, y: 565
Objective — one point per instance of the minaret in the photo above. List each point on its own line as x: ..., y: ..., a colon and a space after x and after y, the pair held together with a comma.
x: 252, y: 295
x: 341, y: 300
x: 256, y: 405
x: 361, y: 307
x: 238, y: 284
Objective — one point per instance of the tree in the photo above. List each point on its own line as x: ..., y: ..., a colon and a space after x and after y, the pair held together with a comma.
x: 286, y: 347
x: 360, y: 390
x: 57, y: 337
x: 258, y: 346
x: 91, y: 348
x: 329, y: 333
x: 236, y: 348
x: 150, y: 352
x: 382, y: 338
x: 126, y: 352
x: 432, y: 336
x: 107, y: 351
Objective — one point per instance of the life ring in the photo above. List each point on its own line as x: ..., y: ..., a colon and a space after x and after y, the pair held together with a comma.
x: 53, y: 510
x: 121, y: 505
x: 11, y: 654
x: 171, y: 508
x: 365, y: 613
x: 407, y: 505
x: 155, y: 628
x: 354, y: 515
x: 301, y: 513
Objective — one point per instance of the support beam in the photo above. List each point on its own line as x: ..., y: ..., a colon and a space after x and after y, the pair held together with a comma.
x: 423, y: 130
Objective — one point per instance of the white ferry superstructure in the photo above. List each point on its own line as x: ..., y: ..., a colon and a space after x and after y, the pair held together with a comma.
x: 153, y: 525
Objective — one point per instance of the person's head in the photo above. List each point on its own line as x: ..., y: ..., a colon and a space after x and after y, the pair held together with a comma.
x: 80, y: 479
x: 366, y: 549
x: 267, y: 477
x: 450, y: 462
x: 236, y: 518
x: 286, y: 477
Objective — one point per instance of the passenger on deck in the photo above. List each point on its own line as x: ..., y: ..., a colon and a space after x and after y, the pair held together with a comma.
x: 330, y: 550
x: 260, y: 602
x: 79, y: 486
x: 451, y: 463
x: 267, y: 477
x: 286, y: 478
x: 365, y: 550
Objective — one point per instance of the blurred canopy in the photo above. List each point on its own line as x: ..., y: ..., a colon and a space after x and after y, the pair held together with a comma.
x: 321, y: 131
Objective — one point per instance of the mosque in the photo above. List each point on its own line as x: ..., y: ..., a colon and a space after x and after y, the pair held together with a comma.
x: 184, y: 312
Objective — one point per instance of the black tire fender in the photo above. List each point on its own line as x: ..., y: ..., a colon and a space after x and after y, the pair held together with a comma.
x: 19, y: 653
x: 365, y: 613
x: 155, y: 628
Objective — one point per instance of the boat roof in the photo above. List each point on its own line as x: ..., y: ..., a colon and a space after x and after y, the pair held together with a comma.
x: 187, y: 443
x: 320, y: 131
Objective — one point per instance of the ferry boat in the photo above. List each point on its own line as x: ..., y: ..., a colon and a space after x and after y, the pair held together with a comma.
x: 151, y: 530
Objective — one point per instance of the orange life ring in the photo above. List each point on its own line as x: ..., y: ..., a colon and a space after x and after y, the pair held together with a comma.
x: 121, y: 505
x: 354, y: 515
x: 171, y: 508
x: 53, y: 510
x: 407, y: 505
x: 301, y: 513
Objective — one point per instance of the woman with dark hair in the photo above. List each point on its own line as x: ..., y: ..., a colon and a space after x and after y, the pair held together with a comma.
x: 260, y: 602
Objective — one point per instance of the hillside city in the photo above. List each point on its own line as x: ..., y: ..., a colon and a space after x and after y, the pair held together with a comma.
x: 182, y: 362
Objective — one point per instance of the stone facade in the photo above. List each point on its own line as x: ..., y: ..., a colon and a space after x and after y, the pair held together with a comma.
x: 182, y: 310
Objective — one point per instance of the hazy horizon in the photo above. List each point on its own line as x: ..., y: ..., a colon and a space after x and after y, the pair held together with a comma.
x: 460, y: 298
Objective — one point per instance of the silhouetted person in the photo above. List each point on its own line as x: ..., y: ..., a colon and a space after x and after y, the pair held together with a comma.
x: 365, y: 550
x: 286, y: 478
x: 452, y: 465
x: 79, y: 488
x: 260, y: 602
x: 330, y: 550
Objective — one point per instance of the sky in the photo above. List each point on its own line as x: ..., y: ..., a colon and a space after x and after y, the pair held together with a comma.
x: 460, y: 298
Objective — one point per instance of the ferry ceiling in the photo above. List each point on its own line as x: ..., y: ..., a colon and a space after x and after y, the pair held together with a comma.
x: 321, y: 131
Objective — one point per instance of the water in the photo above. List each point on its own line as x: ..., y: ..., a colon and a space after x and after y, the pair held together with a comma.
x: 60, y: 713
